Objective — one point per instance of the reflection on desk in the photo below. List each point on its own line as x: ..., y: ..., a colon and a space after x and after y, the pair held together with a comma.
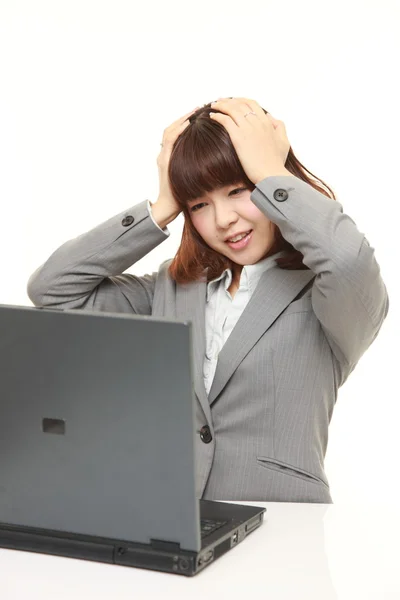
x: 301, y: 552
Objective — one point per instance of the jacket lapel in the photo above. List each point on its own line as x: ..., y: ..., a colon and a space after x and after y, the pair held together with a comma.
x: 190, y: 306
x: 275, y: 290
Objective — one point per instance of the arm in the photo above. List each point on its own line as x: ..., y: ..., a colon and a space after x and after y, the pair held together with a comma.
x: 348, y: 296
x: 85, y: 272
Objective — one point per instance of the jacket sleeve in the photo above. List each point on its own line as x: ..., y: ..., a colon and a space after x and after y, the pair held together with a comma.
x: 348, y: 295
x: 86, y: 272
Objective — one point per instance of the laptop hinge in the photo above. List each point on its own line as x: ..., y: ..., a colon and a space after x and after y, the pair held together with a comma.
x: 167, y: 546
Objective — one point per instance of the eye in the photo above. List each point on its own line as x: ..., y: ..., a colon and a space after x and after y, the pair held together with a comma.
x: 197, y: 206
x: 237, y: 190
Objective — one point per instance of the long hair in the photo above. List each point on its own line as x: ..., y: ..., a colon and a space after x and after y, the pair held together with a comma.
x: 203, y: 159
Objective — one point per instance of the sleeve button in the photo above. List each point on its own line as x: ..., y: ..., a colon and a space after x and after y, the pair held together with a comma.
x: 280, y: 195
x: 126, y: 221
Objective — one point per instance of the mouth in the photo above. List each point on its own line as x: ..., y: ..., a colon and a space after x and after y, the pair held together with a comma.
x: 242, y: 242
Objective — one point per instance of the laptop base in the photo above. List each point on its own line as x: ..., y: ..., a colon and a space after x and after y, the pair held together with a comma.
x: 159, y: 555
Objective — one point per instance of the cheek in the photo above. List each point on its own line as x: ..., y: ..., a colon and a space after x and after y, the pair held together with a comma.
x: 255, y: 216
x: 200, y: 224
x: 249, y: 211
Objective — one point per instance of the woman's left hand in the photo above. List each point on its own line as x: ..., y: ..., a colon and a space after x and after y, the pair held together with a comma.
x: 260, y: 140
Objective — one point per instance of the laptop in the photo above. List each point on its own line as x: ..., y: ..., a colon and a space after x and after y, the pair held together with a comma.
x: 97, y: 442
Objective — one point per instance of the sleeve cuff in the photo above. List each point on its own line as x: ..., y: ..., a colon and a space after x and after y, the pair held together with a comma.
x: 165, y: 230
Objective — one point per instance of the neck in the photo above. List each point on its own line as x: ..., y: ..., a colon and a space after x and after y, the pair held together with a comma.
x: 236, y: 272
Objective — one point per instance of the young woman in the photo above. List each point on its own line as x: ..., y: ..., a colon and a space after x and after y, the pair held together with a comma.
x: 284, y: 293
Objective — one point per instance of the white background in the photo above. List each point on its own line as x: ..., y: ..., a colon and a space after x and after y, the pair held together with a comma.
x: 88, y: 86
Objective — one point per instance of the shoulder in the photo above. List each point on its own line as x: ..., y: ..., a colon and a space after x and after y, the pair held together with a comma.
x: 163, y: 268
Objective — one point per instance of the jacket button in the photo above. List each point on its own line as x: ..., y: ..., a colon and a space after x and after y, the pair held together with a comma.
x: 281, y: 195
x: 205, y: 434
x: 127, y: 221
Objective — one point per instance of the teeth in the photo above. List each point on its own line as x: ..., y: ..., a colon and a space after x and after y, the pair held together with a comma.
x: 238, y: 237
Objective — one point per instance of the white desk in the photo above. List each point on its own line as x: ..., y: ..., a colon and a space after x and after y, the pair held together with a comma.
x: 300, y: 552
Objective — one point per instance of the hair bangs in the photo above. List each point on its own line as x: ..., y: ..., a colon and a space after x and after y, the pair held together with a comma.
x: 202, y: 160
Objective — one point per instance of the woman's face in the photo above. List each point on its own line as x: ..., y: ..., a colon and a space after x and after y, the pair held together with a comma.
x: 219, y: 215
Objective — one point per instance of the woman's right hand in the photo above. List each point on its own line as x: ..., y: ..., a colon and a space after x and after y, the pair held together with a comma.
x: 165, y: 199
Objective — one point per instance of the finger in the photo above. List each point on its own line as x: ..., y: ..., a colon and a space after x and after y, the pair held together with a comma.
x: 226, y: 121
x: 171, y: 134
x: 252, y: 104
x: 183, y: 118
x: 260, y: 111
x: 175, y: 129
x: 271, y: 120
x: 190, y: 113
x: 255, y: 107
x: 237, y: 110
x: 278, y: 124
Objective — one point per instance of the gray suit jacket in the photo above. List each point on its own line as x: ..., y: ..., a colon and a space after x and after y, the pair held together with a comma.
x: 295, y: 344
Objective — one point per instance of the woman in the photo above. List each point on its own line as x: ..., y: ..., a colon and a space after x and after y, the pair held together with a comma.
x: 280, y: 317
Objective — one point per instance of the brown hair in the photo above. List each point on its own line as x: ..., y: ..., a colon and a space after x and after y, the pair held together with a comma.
x: 203, y: 158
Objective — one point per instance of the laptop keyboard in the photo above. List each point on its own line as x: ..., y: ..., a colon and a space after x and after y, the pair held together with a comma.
x: 207, y: 526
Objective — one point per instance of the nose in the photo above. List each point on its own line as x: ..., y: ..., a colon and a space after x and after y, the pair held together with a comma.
x: 224, y: 217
